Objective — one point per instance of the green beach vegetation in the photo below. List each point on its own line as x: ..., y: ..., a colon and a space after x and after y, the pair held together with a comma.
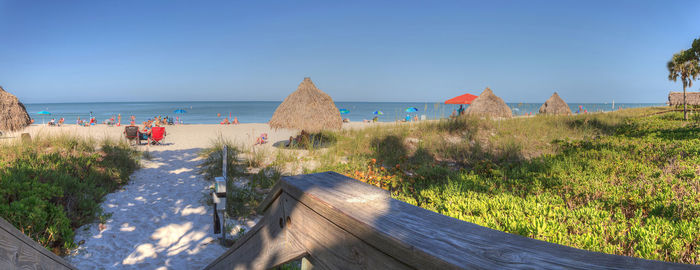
x: 50, y: 186
x: 626, y: 182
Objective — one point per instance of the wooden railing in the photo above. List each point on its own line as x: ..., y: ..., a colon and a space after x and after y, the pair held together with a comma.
x: 17, y: 251
x: 335, y: 222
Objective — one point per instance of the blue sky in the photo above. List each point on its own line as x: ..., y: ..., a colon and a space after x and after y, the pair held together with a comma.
x: 588, y: 51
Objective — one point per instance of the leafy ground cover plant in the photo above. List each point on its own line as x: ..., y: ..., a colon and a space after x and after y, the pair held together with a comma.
x: 52, y: 185
x: 620, y: 183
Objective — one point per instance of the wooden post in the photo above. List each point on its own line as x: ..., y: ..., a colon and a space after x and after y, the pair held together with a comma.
x: 306, y: 264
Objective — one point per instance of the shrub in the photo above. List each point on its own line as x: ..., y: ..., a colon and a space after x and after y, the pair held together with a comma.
x: 51, y: 186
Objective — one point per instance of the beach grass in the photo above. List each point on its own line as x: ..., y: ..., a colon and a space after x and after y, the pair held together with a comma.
x: 623, y: 183
x: 51, y: 185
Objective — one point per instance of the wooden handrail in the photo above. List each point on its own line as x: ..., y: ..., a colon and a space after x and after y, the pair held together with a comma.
x: 17, y: 251
x: 336, y: 222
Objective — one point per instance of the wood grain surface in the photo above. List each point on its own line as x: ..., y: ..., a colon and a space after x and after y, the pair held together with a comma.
x: 17, y: 251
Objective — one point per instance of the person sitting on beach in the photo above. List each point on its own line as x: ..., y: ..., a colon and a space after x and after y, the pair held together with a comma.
x: 52, y: 122
x: 375, y: 119
x: 146, y: 133
x: 302, y: 139
x: 262, y: 139
x: 60, y: 121
x: 225, y: 121
x: 454, y: 114
x: 407, y: 119
x: 346, y: 120
x: 235, y: 121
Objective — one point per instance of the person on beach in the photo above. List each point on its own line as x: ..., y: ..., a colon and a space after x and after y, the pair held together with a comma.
x: 133, y: 120
x: 146, y: 133
x: 461, y: 110
x: 454, y: 114
x: 225, y: 121
x: 119, y: 119
x: 235, y: 121
x: 60, y: 121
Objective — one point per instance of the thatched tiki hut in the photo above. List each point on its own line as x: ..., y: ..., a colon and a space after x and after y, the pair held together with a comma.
x: 13, y: 115
x: 307, y: 109
x: 555, y: 105
x: 488, y: 104
x: 691, y: 98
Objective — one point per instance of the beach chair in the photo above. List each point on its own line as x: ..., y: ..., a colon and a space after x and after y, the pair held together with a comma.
x: 132, y: 134
x: 157, y: 135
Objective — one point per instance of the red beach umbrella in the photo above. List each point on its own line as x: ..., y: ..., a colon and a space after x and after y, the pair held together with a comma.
x: 463, y: 99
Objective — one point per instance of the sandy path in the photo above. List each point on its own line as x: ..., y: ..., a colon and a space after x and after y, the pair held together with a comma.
x: 159, y: 221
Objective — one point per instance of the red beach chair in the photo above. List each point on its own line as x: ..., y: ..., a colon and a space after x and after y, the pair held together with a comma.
x: 157, y: 135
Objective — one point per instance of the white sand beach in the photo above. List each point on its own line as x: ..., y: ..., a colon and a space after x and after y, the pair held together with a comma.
x: 160, y: 220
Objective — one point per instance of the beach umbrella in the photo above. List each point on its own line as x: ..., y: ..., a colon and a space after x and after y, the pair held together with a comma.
x: 179, y: 111
x: 412, y: 109
x: 463, y: 99
x: 378, y: 112
x: 490, y: 105
x: 344, y: 111
x: 308, y: 109
x: 42, y: 113
x: 13, y: 115
x: 555, y: 105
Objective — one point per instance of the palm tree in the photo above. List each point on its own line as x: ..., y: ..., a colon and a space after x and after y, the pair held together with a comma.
x: 685, y: 66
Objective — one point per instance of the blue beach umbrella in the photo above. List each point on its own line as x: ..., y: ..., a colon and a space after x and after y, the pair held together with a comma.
x: 179, y: 111
x: 344, y: 111
x: 43, y: 113
x: 412, y: 109
x: 378, y: 113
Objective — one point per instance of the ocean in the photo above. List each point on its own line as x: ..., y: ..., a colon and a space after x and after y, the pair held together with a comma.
x: 206, y: 112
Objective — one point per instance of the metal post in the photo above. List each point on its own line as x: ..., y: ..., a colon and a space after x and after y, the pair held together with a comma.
x: 224, y: 163
x: 223, y: 226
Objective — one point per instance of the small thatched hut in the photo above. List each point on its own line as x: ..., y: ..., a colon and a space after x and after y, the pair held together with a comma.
x: 555, y: 105
x: 13, y: 115
x: 691, y: 98
x: 307, y: 109
x: 490, y: 105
